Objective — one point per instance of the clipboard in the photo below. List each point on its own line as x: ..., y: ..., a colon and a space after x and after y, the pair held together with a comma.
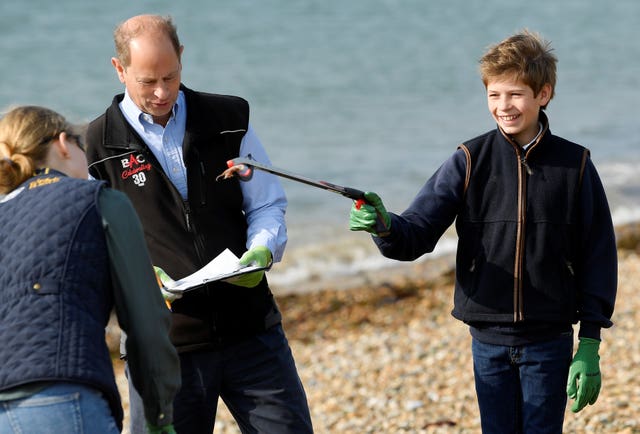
x: 224, y: 266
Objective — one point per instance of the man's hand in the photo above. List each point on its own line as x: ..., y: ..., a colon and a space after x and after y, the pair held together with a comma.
x: 165, y: 281
x: 164, y: 429
x: 259, y: 255
x: 584, y: 374
x: 367, y: 216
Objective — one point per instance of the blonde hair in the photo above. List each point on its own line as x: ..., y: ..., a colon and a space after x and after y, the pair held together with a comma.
x: 26, y: 133
x: 141, y: 24
x: 527, y: 56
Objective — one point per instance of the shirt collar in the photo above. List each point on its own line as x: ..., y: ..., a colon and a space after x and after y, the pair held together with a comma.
x: 144, y: 119
x: 541, y: 127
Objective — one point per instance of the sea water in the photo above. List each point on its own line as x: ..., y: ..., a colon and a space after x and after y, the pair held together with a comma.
x: 370, y: 94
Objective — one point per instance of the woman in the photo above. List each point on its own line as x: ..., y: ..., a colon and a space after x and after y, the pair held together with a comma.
x: 70, y: 251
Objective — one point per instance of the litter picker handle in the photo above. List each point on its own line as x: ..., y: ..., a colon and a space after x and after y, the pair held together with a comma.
x: 351, y: 193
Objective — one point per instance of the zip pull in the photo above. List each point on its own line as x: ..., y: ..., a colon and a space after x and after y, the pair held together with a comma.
x: 523, y: 160
x: 203, y: 197
x: 570, y: 268
x: 187, y: 216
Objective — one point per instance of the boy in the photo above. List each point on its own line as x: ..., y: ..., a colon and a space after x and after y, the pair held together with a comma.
x: 536, y: 250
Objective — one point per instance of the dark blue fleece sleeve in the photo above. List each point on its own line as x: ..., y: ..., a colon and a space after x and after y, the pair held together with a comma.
x: 597, y: 274
x: 417, y: 230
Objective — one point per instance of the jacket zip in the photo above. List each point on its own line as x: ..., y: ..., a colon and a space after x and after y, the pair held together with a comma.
x: 191, y: 227
x: 186, y: 207
x: 518, y: 314
x: 524, y: 170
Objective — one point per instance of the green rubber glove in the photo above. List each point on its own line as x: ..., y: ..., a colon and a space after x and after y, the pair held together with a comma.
x: 163, y: 281
x: 164, y: 429
x: 584, y: 374
x: 260, y: 256
x: 371, y: 216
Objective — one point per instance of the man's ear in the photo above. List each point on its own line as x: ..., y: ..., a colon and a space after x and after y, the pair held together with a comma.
x: 118, y: 67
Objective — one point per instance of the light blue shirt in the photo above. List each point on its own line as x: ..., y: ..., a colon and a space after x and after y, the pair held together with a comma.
x: 264, y: 201
x: 164, y: 142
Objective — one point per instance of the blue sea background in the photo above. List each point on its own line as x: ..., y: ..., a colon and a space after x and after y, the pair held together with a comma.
x: 371, y: 94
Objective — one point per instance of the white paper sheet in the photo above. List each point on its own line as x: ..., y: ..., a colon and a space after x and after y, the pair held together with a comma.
x: 223, y: 266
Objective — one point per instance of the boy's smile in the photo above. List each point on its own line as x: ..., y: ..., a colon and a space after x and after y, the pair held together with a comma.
x: 515, y: 108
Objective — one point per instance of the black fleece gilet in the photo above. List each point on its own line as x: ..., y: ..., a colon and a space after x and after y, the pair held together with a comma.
x: 183, y: 236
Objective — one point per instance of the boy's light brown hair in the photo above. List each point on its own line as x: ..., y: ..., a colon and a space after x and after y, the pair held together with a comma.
x: 526, y: 56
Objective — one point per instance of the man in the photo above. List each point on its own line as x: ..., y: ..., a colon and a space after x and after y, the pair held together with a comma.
x: 164, y: 144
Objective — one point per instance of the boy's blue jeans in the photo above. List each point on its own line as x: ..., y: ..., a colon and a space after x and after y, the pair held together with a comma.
x: 61, y: 408
x: 522, y: 389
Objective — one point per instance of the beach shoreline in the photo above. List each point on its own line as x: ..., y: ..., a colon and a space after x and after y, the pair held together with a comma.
x: 383, y: 354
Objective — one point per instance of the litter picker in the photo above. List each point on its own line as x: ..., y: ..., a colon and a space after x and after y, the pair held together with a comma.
x: 242, y: 167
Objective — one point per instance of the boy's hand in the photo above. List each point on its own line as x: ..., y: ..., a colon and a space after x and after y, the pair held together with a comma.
x: 164, y: 429
x: 165, y: 281
x: 259, y: 255
x: 584, y: 374
x: 366, y: 216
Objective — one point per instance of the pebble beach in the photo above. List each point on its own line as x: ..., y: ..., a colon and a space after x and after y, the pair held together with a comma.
x: 387, y: 357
